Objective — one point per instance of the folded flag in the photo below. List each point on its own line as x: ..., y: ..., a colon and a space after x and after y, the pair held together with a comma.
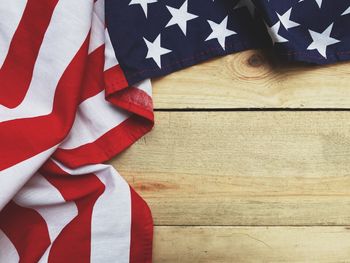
x: 60, y: 117
x: 75, y: 91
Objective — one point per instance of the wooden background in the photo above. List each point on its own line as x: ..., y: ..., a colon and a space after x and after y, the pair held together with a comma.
x: 249, y: 161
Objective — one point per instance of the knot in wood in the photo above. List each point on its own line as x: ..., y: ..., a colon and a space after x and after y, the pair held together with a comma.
x: 256, y: 60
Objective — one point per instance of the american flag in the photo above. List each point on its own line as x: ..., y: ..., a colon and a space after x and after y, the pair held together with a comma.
x: 62, y: 113
x: 75, y: 91
x: 166, y: 35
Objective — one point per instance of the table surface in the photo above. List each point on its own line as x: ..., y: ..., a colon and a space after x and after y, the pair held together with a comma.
x: 249, y: 161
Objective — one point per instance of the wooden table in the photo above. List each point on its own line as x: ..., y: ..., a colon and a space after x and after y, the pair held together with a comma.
x: 249, y: 161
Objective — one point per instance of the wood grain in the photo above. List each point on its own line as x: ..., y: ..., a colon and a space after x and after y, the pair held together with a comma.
x: 244, y: 168
x: 215, y: 180
x: 253, y: 244
x: 254, y: 79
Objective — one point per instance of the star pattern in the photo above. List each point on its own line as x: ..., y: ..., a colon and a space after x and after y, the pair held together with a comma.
x: 179, y: 33
x: 319, y: 2
x: 285, y: 20
x: 273, y: 32
x: 322, y: 40
x: 180, y: 17
x: 155, y: 50
x: 143, y: 4
x: 346, y: 12
x: 220, y: 32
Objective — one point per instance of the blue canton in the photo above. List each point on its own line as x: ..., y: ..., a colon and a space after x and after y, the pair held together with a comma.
x: 156, y: 37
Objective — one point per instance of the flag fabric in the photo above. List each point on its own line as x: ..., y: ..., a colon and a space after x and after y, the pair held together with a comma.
x: 154, y: 38
x: 75, y: 91
x: 60, y: 117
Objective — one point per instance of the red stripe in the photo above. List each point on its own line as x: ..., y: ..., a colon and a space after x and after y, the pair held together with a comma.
x: 74, y: 242
x: 125, y: 134
x: 93, y: 82
x: 141, y: 230
x: 133, y: 100
x: 115, y: 79
x: 23, y: 138
x: 17, y: 70
x: 107, y: 146
x: 27, y: 230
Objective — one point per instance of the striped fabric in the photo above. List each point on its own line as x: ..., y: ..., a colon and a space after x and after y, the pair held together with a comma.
x: 67, y: 106
x: 62, y: 113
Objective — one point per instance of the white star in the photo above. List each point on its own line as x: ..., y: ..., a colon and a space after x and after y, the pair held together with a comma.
x: 273, y: 32
x: 143, y: 4
x: 285, y: 20
x: 322, y: 40
x: 319, y: 2
x: 180, y: 17
x: 347, y: 11
x: 220, y: 31
x: 155, y: 51
x: 248, y: 4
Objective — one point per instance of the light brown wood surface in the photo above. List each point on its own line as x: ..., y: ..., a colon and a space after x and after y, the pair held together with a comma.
x: 244, y: 168
x: 253, y: 79
x: 251, y: 244
x: 230, y: 184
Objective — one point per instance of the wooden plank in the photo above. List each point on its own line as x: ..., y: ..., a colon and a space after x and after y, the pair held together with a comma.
x: 252, y: 79
x: 251, y: 244
x: 244, y: 168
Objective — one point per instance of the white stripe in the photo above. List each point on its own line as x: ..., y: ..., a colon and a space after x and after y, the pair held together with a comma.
x: 97, y: 37
x: 8, y: 252
x: 40, y: 195
x: 13, y: 178
x: 69, y: 26
x: 95, y: 117
x: 110, y: 58
x: 86, y: 169
x: 11, y: 13
x: 111, y: 216
x: 99, y: 9
x: 112, y: 211
x: 111, y: 61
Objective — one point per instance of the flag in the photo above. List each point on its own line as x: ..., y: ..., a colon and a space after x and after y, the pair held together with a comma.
x: 75, y: 91
x: 62, y: 113
x: 164, y: 36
